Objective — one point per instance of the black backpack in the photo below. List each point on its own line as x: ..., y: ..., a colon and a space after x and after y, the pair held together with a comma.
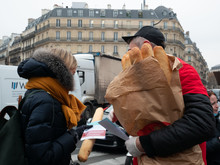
x: 11, y: 136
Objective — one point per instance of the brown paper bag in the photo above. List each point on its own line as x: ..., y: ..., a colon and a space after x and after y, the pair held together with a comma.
x: 192, y: 156
x: 141, y: 97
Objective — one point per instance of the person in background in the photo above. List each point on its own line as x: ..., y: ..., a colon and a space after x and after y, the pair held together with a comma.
x: 49, y: 112
x: 213, y: 145
x: 196, y: 125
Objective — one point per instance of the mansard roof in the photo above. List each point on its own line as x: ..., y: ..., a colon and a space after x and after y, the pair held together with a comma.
x: 158, y: 13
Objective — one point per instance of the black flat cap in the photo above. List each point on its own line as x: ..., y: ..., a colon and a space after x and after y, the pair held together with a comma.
x: 150, y: 33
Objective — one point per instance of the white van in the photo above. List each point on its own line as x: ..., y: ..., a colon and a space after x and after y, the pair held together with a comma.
x: 11, y: 86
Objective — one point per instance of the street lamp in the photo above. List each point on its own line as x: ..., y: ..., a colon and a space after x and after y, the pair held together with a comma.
x: 171, y: 16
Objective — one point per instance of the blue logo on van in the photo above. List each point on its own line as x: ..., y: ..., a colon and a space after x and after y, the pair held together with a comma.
x: 15, y: 85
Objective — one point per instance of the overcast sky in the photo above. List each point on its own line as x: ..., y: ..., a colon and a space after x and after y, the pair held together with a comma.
x: 200, y: 17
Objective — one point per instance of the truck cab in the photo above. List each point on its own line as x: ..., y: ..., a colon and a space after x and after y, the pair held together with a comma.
x: 95, y: 72
x: 86, y: 72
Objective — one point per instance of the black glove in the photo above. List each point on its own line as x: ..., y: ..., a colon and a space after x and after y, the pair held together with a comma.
x: 80, y: 129
x: 77, y: 133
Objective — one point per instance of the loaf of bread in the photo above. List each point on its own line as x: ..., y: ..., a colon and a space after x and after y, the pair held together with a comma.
x: 125, y: 61
x: 146, y: 50
x: 163, y: 60
x: 135, y: 55
x: 87, y: 145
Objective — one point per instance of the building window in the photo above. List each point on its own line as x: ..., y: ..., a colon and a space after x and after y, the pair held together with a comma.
x: 90, y: 48
x: 165, y: 36
x: 174, y: 26
x: 174, y: 50
x: 115, y: 24
x: 57, y: 22
x: 165, y: 25
x: 140, y: 24
x: 69, y: 23
x: 90, y: 36
x: 68, y: 35
x: 189, y: 58
x: 102, y: 13
x: 102, y: 49
x: 91, y: 23
x: 69, y: 13
x: 91, y: 13
x: 79, y: 23
x: 189, y: 50
x: 128, y: 13
x: 174, y: 37
x: 57, y: 35
x: 115, y: 36
x: 80, y: 36
x: 115, y: 50
x: 140, y: 14
x: 103, y: 24
x: 115, y: 13
x: 80, y: 13
x: 152, y: 23
x: 59, y: 12
x: 103, y: 36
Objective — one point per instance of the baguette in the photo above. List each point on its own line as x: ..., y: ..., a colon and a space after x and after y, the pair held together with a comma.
x: 163, y: 60
x: 146, y: 50
x: 135, y: 55
x: 125, y: 61
x: 87, y: 145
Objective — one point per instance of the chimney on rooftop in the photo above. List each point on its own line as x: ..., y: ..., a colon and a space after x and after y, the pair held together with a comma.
x: 30, y: 20
x: 44, y: 11
x: 123, y: 7
x: 109, y: 6
x: 145, y: 6
x: 187, y: 34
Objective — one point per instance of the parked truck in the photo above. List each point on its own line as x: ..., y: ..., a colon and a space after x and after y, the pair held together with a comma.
x: 95, y: 72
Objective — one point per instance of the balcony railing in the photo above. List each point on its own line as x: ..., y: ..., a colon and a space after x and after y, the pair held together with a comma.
x: 26, y: 48
x: 89, y: 26
x: 170, y: 41
x: 14, y: 51
x: 75, y: 39
x: 28, y: 36
x: 15, y: 60
x: 171, y: 28
x: 43, y: 28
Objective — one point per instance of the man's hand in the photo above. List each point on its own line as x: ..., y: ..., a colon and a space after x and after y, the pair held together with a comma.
x: 77, y: 132
x: 134, y: 148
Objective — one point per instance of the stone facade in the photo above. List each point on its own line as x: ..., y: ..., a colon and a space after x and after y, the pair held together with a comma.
x: 83, y: 30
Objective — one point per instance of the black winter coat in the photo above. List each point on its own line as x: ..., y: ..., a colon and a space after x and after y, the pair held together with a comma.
x: 47, y: 140
x: 213, y: 146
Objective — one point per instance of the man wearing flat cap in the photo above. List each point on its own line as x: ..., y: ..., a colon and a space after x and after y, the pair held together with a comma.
x: 196, y: 125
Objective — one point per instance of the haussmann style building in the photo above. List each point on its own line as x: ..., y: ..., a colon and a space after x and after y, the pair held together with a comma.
x: 81, y: 29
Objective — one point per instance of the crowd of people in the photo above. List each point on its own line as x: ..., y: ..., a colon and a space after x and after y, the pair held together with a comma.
x: 51, y: 114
